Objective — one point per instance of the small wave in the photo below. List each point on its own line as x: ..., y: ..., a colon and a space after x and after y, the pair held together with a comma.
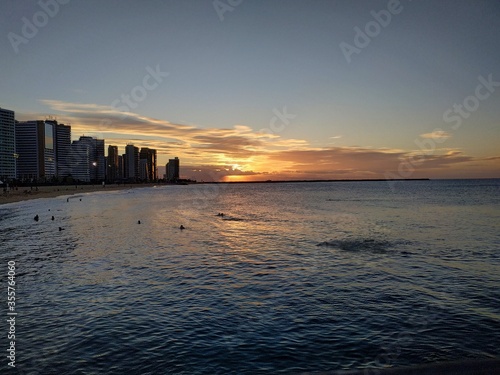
x: 233, y: 219
x: 366, y: 245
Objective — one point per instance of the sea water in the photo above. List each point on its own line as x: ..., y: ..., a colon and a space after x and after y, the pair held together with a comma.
x: 293, y: 277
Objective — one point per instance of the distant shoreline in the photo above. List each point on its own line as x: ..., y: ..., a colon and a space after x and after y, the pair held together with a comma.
x: 295, y: 181
x: 343, y: 180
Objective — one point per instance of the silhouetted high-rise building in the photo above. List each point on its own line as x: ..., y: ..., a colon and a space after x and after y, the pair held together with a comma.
x: 36, y: 150
x: 112, y: 164
x: 172, y: 169
x: 96, y: 162
x: 120, y: 168
x: 148, y: 167
x: 62, y: 138
x: 7, y: 145
x: 101, y: 161
x: 131, y: 163
x: 143, y: 170
x: 124, y: 166
x: 80, y: 161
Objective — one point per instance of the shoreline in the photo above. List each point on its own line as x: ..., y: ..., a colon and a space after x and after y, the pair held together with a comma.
x: 25, y: 193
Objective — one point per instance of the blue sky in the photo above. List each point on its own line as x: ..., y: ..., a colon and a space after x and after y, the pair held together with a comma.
x: 229, y: 76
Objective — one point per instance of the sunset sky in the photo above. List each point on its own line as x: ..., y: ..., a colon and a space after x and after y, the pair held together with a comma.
x: 267, y: 89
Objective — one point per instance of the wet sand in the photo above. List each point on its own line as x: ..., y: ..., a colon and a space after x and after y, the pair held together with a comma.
x: 25, y: 193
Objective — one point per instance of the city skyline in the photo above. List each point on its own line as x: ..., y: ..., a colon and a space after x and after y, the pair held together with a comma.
x: 259, y: 90
x: 42, y: 151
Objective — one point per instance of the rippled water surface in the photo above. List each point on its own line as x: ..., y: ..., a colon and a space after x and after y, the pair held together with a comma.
x: 294, y: 277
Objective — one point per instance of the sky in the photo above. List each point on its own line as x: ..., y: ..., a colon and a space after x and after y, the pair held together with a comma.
x: 266, y: 89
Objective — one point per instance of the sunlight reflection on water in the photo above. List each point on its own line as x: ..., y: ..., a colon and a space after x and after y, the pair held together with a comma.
x: 294, y: 277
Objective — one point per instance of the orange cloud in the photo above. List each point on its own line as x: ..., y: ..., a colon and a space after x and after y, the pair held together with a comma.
x: 210, y: 153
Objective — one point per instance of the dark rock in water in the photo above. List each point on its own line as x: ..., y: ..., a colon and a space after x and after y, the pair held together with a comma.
x: 364, y: 245
x: 36, y: 218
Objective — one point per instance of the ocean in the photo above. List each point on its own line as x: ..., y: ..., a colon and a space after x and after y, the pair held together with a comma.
x: 295, y: 277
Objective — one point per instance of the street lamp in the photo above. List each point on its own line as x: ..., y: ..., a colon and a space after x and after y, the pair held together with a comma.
x: 94, y: 173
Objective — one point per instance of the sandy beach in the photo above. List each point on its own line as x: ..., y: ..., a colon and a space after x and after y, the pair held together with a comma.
x: 26, y: 193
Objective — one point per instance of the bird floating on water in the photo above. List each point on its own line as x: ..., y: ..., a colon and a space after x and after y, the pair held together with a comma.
x: 182, y: 227
x: 36, y: 218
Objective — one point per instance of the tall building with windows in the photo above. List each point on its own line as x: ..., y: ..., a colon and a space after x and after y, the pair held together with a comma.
x: 62, y: 138
x: 29, y: 150
x: 131, y: 163
x: 49, y: 150
x: 143, y: 170
x: 7, y: 145
x: 101, y: 160
x: 112, y: 164
x: 80, y: 161
x: 172, y: 169
x: 96, y: 162
x: 36, y: 150
x: 120, y: 168
x: 124, y: 167
x: 149, y: 168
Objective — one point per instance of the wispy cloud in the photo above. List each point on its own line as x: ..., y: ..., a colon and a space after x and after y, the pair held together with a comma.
x: 213, y: 153
x: 438, y: 135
